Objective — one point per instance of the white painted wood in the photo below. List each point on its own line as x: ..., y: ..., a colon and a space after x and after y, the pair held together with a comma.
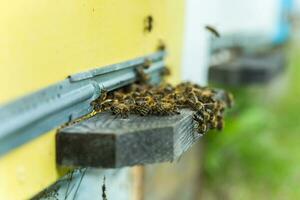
x: 196, y: 40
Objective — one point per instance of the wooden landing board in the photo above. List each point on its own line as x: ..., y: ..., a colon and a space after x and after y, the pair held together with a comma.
x: 110, y: 142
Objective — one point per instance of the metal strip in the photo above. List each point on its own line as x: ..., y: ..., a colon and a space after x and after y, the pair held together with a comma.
x: 39, y: 112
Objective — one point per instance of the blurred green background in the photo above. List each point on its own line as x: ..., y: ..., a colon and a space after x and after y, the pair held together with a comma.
x: 257, y: 156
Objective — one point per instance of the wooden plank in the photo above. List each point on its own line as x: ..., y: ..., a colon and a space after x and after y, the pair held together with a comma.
x: 110, y: 142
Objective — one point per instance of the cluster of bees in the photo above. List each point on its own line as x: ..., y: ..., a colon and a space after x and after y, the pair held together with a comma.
x: 165, y: 99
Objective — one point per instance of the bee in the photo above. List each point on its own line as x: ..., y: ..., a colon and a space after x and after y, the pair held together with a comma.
x: 220, y: 125
x: 141, y: 109
x: 161, y: 46
x: 147, y: 63
x: 147, y: 100
x: 129, y: 99
x: 198, y: 118
x: 104, y: 105
x: 190, y: 94
x: 183, y: 85
x: 181, y: 101
x: 144, y: 99
x: 120, y: 109
x: 212, y: 106
x: 201, y: 127
x: 220, y: 107
x: 96, y: 103
x: 204, y: 115
x: 119, y: 95
x: 206, y: 96
x: 143, y: 106
x: 164, y: 108
x: 196, y: 106
x: 212, y: 30
x: 148, y: 24
x: 168, y: 88
x: 142, y: 77
x: 103, y: 94
x: 170, y: 108
x: 165, y: 72
x: 218, y: 122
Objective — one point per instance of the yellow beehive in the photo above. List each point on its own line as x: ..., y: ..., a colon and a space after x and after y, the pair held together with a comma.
x: 41, y: 42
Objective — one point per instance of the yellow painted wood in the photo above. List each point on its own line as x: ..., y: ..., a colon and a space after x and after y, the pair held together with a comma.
x: 41, y: 42
x: 28, y: 169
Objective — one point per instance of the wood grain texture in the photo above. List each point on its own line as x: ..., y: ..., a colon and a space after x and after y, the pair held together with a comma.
x: 110, y: 142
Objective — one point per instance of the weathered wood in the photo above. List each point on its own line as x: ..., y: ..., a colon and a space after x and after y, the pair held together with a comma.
x: 110, y: 142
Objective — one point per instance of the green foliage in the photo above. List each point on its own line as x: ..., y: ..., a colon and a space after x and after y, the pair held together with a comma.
x: 257, y: 156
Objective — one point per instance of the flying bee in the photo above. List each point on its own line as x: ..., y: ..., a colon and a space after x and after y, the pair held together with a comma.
x: 212, y: 30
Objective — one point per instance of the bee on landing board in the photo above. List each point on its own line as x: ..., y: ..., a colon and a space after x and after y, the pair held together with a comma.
x: 120, y: 109
x: 144, y: 99
x: 142, y: 77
